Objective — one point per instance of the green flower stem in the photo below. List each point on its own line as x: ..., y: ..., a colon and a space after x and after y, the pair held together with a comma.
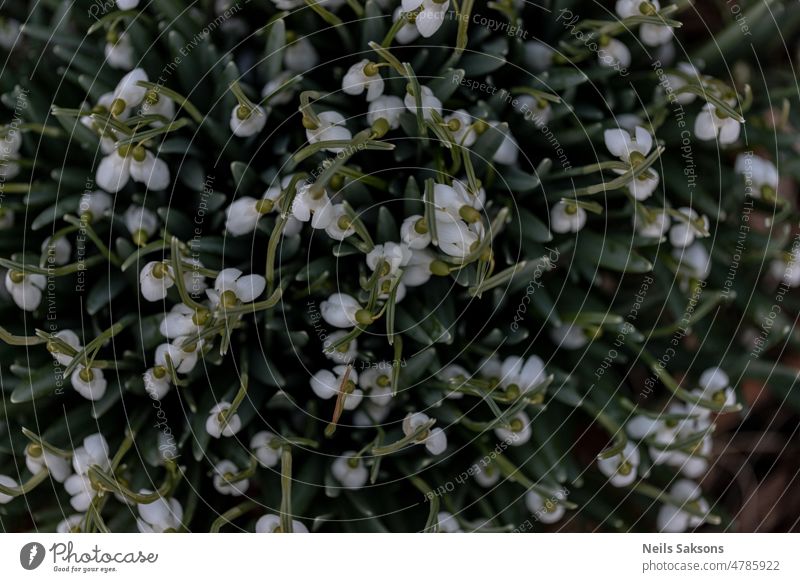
x: 177, y: 267
x: 432, y: 523
x: 326, y: 14
x: 703, y: 93
x: 241, y: 97
x: 388, y: 57
x: 659, y: 495
x: 93, y: 346
x: 616, y: 432
x: 244, y: 384
x: 56, y: 272
x: 359, y: 226
x: 430, y: 210
x: 36, y: 439
x: 515, y: 475
x: 305, y: 106
x: 180, y: 100
x: 398, y: 353
x: 617, y: 183
x: 280, y: 89
x: 26, y: 487
x: 277, y: 232
x: 234, y: 512
x: 405, y: 17
x: 90, y: 232
x: 286, y: 490
x: 359, y: 176
x: 501, y: 278
x: 404, y: 442
x: 358, y: 143
x: 106, y: 120
x: 107, y: 482
x: 462, y: 37
x: 153, y: 133
x: 19, y: 340
x: 338, y: 408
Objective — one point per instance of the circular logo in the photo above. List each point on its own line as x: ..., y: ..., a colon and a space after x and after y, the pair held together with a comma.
x: 31, y: 555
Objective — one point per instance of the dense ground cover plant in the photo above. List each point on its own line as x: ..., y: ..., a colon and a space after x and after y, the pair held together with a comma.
x: 387, y: 266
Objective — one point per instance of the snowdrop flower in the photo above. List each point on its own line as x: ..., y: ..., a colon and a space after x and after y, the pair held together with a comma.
x: 299, y: 56
x: 460, y: 125
x: 408, y: 32
x: 283, y: 97
x: 266, y: 447
x: 760, y: 173
x: 518, y: 376
x: 219, y: 425
x: 331, y: 128
x: 517, y: 432
x: 89, y: 382
x: 149, y: 170
x: 786, y: 269
x: 113, y: 172
x: 621, y: 468
x: 545, y: 510
x: 127, y: 4
x: 157, y: 104
x: 537, y: 110
x: 94, y: 451
x: 38, y: 458
x: 394, y: 256
x: 326, y: 385
x: 141, y: 222
x: 567, y: 217
x: 128, y: 93
x: 613, y: 53
x: 487, y: 475
x: 8, y: 482
x: 414, y: 232
x: 119, y: 51
x: 431, y: 15
x: 70, y: 338
x: 430, y: 102
x: 456, y: 238
x: 364, y: 75
x: 538, y: 56
x: 508, y: 152
x: 386, y: 107
x: 340, y: 225
x: 243, y: 214
x: 342, y: 310
x: 181, y: 320
x: 458, y: 201
x: 715, y: 385
x: 631, y: 149
x: 182, y: 359
x: 247, y: 121
x: 57, y: 251
x: 25, y: 289
x: 653, y: 224
x: 271, y: 523
x: 655, y: 34
x: 678, y: 81
x: 232, y: 287
x: 306, y: 207
x: 224, y: 471
x: 651, y: 34
x: 418, y: 270
x: 345, y: 353
x: 349, y: 470
x: 71, y: 524
x: 447, y: 523
x: 673, y: 519
x: 694, y: 260
x: 434, y: 438
x: 155, y: 279
x: 156, y: 382
x: 712, y: 123
x: 94, y: 205
x: 159, y: 516
x: 376, y: 382
x: 569, y: 337
x: 684, y: 231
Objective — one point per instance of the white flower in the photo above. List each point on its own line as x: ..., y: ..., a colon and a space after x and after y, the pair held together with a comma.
x: 25, y: 289
x: 447, y: 523
x: 326, y: 384
x: 460, y: 125
x: 567, y: 217
x: 350, y: 471
x: 160, y: 515
x: 340, y: 310
x: 128, y: 93
x: 286, y: 95
x: 394, y: 256
x: 521, y: 376
x: 545, y: 510
x: 486, y: 475
x: 127, y: 4
x: 155, y: 103
x: 156, y: 383
x: 408, y: 32
x: 655, y: 34
x: 364, y: 75
x: 621, y: 468
x: 7, y: 482
x: 537, y: 110
x: 429, y: 102
x: 149, y: 170
x: 271, y: 523
x: 418, y: 270
x: 89, y: 382
x: 628, y: 8
x: 615, y: 54
x: 414, y: 232
x: 626, y: 147
x: 38, y: 458
x: 517, y: 432
x: 217, y: 426
x: 386, y: 107
x: 434, y: 438
x: 331, y: 128
x: 715, y: 385
x: 430, y: 18
x: 713, y: 124
x: 247, y: 121
x: 508, y: 152
x: 673, y: 519
x: 113, y: 172
x: 266, y: 449
x: 693, y: 260
x: 758, y: 172
x: 243, y: 214
x: 223, y: 472
x: 183, y: 360
x: 458, y: 201
x: 94, y: 451
x: 684, y: 231
x: 569, y: 337
x: 455, y: 237
x: 119, y: 51
x: 70, y: 338
x: 71, y: 524
x: 231, y: 286
x: 654, y: 224
x: 300, y: 56
x: 57, y: 252
x: 340, y: 225
x: 538, y: 56
x: 377, y: 383
x: 344, y: 354
x: 786, y: 269
x: 306, y: 206
x: 141, y: 222
x: 180, y: 321
x: 678, y: 81
x: 94, y: 205
x: 154, y: 280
